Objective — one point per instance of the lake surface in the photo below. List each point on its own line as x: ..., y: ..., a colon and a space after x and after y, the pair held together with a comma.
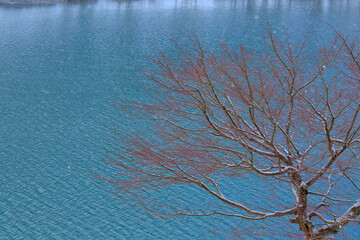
x: 61, y: 68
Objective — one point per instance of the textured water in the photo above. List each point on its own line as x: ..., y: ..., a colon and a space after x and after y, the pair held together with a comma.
x: 61, y: 68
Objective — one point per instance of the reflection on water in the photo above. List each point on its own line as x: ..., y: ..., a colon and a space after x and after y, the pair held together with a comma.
x: 321, y: 5
x: 61, y: 68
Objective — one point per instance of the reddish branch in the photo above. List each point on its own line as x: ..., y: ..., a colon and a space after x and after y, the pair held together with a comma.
x: 282, y: 115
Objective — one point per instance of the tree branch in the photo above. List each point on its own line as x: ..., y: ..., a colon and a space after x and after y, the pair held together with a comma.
x: 330, y: 229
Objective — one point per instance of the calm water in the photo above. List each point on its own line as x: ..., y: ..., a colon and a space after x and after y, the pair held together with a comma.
x: 61, y: 68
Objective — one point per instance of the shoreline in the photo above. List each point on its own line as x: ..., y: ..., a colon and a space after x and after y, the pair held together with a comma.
x: 25, y: 3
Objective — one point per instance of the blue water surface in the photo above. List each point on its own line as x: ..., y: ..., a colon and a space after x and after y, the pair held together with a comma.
x: 62, y: 66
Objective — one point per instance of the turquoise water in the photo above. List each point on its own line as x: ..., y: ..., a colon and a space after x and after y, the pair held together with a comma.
x: 61, y: 68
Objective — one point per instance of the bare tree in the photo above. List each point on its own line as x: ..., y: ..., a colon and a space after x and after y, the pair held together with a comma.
x: 282, y: 115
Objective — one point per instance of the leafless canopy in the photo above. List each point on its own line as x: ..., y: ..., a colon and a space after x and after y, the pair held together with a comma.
x: 282, y: 115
